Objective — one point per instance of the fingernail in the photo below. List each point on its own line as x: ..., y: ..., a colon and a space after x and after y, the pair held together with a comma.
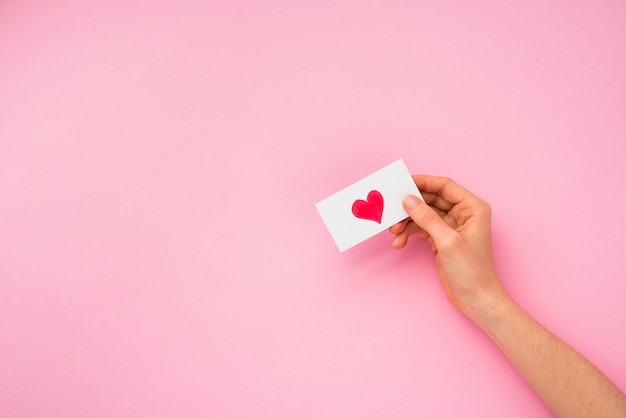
x: 395, y: 241
x: 410, y: 201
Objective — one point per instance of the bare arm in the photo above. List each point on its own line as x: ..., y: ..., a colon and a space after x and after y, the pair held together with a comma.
x: 567, y: 382
x: 457, y: 225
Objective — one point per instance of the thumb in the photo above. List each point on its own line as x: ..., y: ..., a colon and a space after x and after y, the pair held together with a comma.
x: 426, y: 218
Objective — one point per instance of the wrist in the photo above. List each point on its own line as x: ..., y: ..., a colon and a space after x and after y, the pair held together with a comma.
x: 489, y: 308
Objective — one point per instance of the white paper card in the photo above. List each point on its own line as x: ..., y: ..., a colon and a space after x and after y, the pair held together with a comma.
x: 369, y: 206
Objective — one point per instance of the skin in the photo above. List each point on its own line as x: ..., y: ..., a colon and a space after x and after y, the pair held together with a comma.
x: 457, y: 225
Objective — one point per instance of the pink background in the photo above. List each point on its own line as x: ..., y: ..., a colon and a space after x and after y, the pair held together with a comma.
x: 160, y: 252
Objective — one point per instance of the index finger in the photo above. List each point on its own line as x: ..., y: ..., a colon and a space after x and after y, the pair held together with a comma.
x: 442, y: 186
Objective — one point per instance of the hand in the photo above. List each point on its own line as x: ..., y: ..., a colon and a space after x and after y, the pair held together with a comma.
x: 457, y: 225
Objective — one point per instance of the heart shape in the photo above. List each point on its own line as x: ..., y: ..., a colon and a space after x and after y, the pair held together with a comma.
x: 372, y: 209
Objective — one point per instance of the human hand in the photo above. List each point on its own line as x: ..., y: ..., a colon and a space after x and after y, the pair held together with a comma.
x: 457, y: 225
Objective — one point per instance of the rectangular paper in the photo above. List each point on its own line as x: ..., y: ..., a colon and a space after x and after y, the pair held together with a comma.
x: 352, y: 217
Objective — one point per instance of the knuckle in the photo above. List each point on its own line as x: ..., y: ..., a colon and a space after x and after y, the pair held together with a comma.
x: 449, y: 182
x: 485, y: 207
x: 450, y: 242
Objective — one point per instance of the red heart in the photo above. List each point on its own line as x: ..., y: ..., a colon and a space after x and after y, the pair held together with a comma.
x: 371, y: 210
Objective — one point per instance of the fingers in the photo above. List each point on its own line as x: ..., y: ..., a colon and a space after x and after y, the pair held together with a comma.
x: 440, y: 205
x: 441, y: 190
x: 400, y: 241
x: 437, y: 201
x: 427, y: 219
x: 402, y: 238
x: 399, y: 227
x: 436, y: 219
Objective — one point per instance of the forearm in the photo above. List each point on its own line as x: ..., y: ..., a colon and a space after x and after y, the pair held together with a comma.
x: 567, y: 382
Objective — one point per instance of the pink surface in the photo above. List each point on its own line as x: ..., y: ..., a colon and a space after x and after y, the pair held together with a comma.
x: 160, y: 252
